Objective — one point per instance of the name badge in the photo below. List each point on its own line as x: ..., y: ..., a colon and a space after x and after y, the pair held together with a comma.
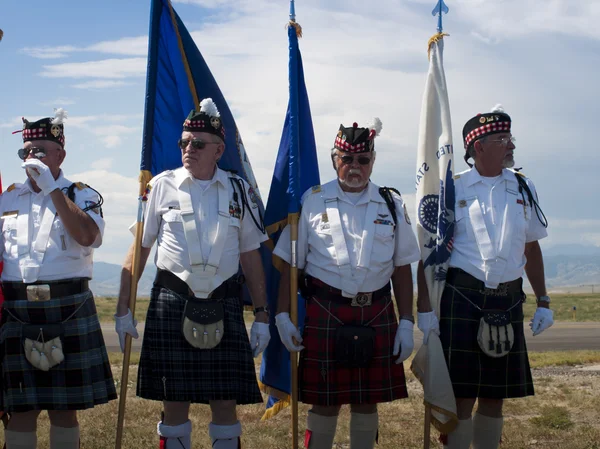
x: 10, y: 213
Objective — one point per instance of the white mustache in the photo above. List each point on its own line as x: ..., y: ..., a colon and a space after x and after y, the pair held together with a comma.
x: 354, y: 171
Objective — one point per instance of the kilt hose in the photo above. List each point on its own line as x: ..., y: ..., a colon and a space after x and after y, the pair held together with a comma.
x: 84, y: 378
x: 171, y: 369
x: 322, y: 381
x: 474, y: 374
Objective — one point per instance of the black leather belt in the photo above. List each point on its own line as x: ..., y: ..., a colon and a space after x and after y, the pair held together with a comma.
x: 231, y: 287
x: 326, y: 292
x: 15, y: 291
x: 460, y: 278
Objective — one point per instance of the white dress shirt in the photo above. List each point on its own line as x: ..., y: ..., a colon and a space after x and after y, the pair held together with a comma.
x: 493, y: 196
x: 163, y: 221
x: 64, y: 258
x: 392, y: 246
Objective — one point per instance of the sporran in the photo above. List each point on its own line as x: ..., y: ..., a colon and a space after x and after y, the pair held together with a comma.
x: 202, y: 324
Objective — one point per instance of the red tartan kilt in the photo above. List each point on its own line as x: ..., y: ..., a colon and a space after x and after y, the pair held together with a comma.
x: 322, y: 381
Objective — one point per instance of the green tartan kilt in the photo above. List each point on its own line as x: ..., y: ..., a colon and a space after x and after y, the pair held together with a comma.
x: 474, y: 374
x: 83, y: 380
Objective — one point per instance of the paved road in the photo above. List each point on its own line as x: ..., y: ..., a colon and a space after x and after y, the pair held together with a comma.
x: 560, y: 337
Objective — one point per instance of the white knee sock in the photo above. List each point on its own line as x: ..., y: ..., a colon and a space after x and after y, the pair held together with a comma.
x: 175, y: 437
x: 225, y: 437
x: 363, y: 430
x: 461, y: 437
x: 64, y: 437
x: 487, y: 432
x: 320, y: 431
x: 20, y: 440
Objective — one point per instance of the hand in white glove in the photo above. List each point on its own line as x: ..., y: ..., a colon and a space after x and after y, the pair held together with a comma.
x: 125, y: 325
x: 287, y: 331
x: 259, y: 337
x: 404, y: 339
x: 542, y: 320
x: 428, y: 322
x: 41, y: 174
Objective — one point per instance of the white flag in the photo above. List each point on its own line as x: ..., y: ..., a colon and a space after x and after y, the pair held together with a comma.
x: 435, y: 226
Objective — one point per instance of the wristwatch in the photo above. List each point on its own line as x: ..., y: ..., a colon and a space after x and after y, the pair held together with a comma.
x: 261, y: 309
x: 545, y: 299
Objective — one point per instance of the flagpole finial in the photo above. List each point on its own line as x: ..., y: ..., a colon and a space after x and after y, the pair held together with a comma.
x: 292, y: 11
x: 439, y: 10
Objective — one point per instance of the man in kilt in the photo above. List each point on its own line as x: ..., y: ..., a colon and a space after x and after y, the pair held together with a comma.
x: 498, y: 225
x: 206, y: 221
x: 51, y: 347
x: 353, y: 237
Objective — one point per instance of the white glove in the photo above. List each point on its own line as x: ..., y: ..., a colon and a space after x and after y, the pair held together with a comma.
x: 404, y: 339
x: 125, y: 325
x: 428, y: 322
x: 41, y: 174
x: 287, y: 331
x: 259, y: 337
x: 542, y: 319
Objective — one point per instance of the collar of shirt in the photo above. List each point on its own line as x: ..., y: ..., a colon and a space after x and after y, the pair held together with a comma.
x: 473, y: 177
x: 335, y: 191
x: 182, y: 174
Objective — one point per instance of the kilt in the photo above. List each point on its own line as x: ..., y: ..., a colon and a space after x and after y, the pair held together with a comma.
x: 474, y: 374
x: 81, y: 381
x: 171, y: 369
x: 322, y: 381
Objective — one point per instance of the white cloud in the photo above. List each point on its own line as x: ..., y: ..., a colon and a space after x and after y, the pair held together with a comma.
x: 107, y: 68
x: 130, y: 46
x: 48, y: 52
x: 100, y: 84
x: 102, y: 164
x: 59, y: 102
x: 112, y: 141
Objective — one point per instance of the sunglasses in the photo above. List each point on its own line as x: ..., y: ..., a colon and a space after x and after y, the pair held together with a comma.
x: 196, y: 143
x: 38, y: 153
x: 362, y: 160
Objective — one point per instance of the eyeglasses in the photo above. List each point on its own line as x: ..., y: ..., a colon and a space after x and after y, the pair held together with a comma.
x: 196, y: 143
x: 38, y: 153
x: 362, y: 160
x: 504, y: 141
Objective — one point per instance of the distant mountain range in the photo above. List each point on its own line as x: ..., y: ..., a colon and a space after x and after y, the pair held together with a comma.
x: 569, y: 268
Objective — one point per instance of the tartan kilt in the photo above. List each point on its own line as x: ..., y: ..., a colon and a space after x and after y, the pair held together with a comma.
x: 322, y: 381
x: 83, y: 380
x: 171, y: 369
x: 474, y: 374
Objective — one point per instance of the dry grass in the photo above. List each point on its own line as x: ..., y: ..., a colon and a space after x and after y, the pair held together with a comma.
x: 565, y: 414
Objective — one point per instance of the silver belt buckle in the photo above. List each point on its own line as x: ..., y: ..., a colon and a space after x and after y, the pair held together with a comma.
x: 362, y: 300
x: 40, y: 292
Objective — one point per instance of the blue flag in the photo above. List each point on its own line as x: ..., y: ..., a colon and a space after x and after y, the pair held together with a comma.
x: 178, y: 78
x: 296, y: 170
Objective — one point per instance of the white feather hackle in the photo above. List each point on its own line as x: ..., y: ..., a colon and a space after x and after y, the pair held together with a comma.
x: 209, y: 107
x: 59, y: 116
x: 376, y: 125
x: 498, y: 108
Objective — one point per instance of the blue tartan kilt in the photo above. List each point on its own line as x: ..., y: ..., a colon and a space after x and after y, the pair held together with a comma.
x: 171, y: 369
x: 474, y: 374
x: 83, y: 380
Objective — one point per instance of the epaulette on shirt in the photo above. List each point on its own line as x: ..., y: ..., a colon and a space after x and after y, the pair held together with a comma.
x: 315, y: 189
x: 80, y: 185
x: 11, y: 187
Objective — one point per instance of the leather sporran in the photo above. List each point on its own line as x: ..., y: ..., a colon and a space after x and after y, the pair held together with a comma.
x: 202, y: 324
x: 495, y: 335
x: 43, y: 346
x: 354, y: 345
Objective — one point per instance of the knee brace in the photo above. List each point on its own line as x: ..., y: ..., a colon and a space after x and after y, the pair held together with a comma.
x: 225, y: 437
x: 64, y: 437
x: 320, y: 431
x: 461, y: 437
x: 363, y: 430
x: 20, y: 440
x: 487, y: 431
x: 175, y: 437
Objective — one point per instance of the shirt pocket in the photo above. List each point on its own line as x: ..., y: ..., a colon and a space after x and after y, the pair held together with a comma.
x: 383, y: 243
x: 59, y: 236
x: 463, y: 222
x: 9, y: 232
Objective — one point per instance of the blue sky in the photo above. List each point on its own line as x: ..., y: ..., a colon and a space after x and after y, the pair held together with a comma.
x: 539, y: 59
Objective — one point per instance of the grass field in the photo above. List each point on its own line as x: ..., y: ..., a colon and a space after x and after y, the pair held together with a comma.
x: 588, y: 307
x: 564, y: 414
